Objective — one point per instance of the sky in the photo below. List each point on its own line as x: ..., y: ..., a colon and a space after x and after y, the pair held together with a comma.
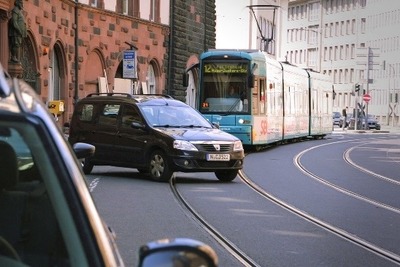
x: 232, y: 24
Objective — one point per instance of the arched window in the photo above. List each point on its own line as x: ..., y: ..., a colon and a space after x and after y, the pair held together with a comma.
x: 151, y: 80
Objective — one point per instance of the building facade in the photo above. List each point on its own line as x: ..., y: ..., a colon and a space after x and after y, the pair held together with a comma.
x: 74, y: 48
x: 192, y: 32
x: 356, y: 42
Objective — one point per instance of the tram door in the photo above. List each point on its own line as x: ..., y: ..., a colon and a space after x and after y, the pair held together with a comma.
x: 259, y: 97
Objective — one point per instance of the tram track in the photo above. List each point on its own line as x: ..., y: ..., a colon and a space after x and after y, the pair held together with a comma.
x: 347, y: 159
x: 298, y: 164
x: 348, y: 236
x: 220, y: 238
x: 395, y: 258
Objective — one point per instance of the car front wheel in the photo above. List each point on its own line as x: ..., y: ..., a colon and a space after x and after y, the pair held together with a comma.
x: 159, y: 169
x: 226, y: 175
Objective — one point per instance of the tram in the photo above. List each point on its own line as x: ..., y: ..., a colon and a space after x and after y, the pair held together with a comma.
x: 261, y: 100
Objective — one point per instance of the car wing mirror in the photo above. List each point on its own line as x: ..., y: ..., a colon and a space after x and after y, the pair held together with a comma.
x: 215, y: 125
x: 177, y: 252
x: 138, y: 125
x: 83, y: 150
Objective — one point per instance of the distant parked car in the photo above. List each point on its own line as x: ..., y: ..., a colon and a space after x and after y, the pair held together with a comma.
x: 336, y: 117
x: 372, y: 122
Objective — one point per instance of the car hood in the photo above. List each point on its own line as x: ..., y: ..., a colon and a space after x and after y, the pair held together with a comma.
x: 196, y: 134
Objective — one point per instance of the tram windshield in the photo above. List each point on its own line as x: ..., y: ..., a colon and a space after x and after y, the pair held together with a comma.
x: 223, y: 87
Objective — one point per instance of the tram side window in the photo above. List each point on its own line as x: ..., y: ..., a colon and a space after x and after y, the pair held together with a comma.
x: 262, y: 96
x: 254, y: 98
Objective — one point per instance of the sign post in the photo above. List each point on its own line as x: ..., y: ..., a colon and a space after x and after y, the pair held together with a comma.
x: 366, y: 98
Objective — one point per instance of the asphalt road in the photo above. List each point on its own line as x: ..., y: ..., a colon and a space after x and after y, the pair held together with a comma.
x: 140, y: 210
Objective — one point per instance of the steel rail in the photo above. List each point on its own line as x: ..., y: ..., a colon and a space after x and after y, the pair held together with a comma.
x: 220, y: 238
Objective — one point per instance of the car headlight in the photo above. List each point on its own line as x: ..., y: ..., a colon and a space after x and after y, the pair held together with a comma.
x: 184, y: 145
x: 237, y: 146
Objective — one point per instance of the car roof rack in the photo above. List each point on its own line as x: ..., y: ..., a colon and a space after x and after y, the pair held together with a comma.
x: 130, y: 95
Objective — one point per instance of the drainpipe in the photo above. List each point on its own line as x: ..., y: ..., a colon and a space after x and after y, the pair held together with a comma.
x: 170, y: 45
x: 76, y: 96
x: 205, y: 27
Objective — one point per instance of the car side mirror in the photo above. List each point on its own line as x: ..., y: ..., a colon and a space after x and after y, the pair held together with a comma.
x: 215, y: 125
x: 138, y: 125
x: 83, y: 150
x: 177, y: 252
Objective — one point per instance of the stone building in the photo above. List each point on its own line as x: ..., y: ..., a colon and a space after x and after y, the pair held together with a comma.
x: 74, y: 48
x: 192, y: 32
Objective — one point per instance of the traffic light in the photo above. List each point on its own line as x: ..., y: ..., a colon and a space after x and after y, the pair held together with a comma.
x: 357, y: 87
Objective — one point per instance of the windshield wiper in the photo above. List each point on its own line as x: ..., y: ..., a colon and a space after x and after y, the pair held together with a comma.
x: 192, y: 126
x: 234, y: 105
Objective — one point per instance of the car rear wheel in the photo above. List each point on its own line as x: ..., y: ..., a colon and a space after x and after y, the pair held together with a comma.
x: 87, y: 166
x: 159, y: 169
x: 226, y: 175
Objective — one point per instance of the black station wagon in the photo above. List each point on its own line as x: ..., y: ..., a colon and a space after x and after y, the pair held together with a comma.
x: 155, y: 134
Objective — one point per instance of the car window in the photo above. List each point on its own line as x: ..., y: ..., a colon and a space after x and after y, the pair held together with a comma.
x: 174, y: 116
x: 86, y: 113
x: 34, y: 219
x: 109, y: 114
x: 129, y: 114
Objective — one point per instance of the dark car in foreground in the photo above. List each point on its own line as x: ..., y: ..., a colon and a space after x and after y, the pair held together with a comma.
x: 47, y: 215
x: 155, y: 134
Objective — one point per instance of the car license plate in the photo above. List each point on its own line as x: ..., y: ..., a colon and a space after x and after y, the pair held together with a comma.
x: 218, y: 157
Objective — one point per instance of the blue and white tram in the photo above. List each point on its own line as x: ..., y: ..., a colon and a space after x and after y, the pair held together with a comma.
x: 261, y: 100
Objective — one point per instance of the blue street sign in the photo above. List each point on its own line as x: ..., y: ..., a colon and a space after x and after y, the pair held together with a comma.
x: 129, y: 65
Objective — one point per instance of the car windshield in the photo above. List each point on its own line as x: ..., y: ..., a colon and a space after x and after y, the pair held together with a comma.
x: 174, y: 116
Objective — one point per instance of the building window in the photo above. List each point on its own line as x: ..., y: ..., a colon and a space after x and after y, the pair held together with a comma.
x: 351, y: 75
x: 363, y: 22
x: 312, y: 57
x: 155, y: 10
x: 124, y: 6
x: 341, y: 52
x: 93, y: 3
x: 314, y: 11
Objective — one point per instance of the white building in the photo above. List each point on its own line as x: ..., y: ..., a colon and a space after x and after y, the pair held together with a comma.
x: 336, y: 37
x: 268, y: 19
x: 251, y: 24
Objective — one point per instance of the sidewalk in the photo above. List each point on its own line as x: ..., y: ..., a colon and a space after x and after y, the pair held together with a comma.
x: 384, y: 129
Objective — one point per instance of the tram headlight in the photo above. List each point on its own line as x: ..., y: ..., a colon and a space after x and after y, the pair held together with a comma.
x: 184, y: 145
x: 241, y: 121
